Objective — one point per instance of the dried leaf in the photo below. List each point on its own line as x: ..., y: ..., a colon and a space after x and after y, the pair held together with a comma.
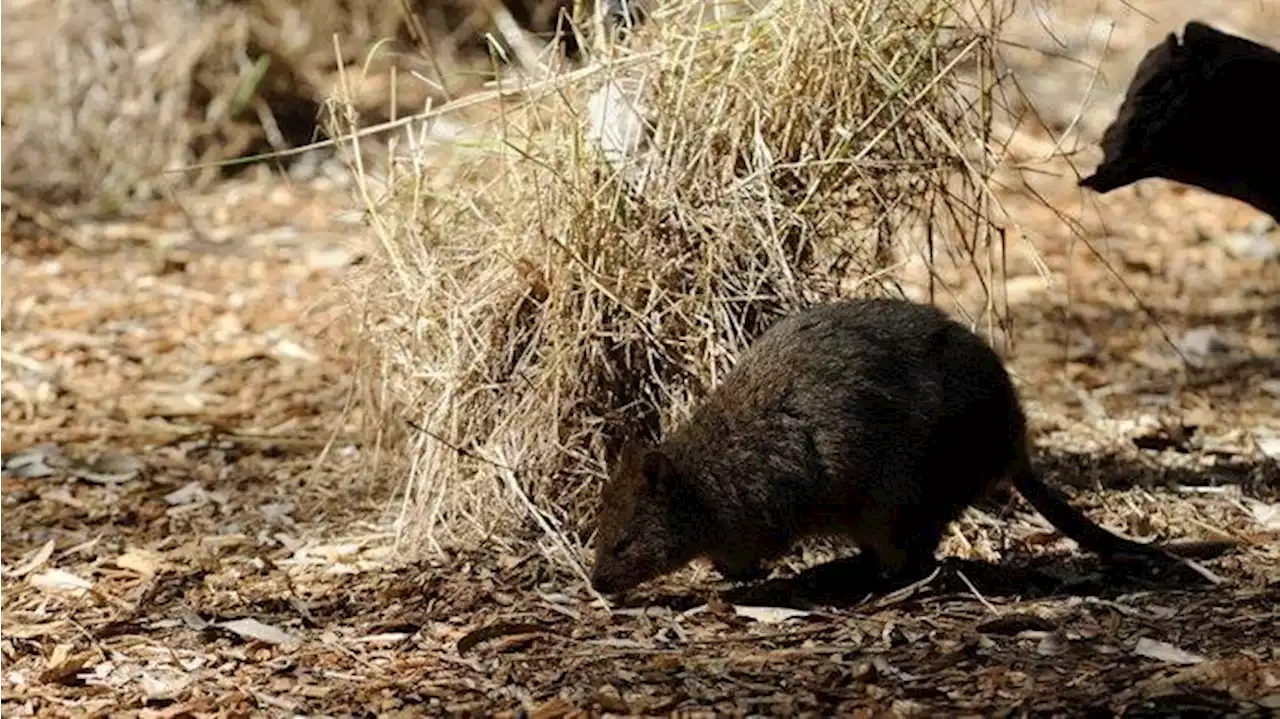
x: 142, y: 561
x: 384, y: 638
x: 42, y: 460
x: 33, y: 631
x: 616, y: 643
x: 1158, y: 361
x: 332, y: 258
x: 885, y: 669
x: 1269, y: 444
x: 58, y: 655
x: 254, y: 629
x: 908, y: 708
x: 1165, y: 652
x: 610, y: 699
x: 769, y: 615
x: 1014, y: 623
x: 37, y: 558
x: 1268, y: 515
x: 62, y: 667
x: 1199, y: 344
x: 110, y: 468
x: 163, y: 687
x: 194, y: 707
x: 553, y: 709
x: 1052, y: 644
x: 277, y: 512
x: 193, y: 620
x: 177, y: 403
x: 59, y: 580
x: 329, y: 553
x: 493, y: 631
x: 189, y: 493
x: 288, y: 349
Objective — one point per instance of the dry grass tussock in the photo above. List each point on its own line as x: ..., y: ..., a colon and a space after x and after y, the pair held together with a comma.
x: 529, y: 312
x: 101, y: 98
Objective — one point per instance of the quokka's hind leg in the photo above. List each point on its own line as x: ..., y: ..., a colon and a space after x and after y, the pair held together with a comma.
x: 903, y: 545
x: 916, y: 541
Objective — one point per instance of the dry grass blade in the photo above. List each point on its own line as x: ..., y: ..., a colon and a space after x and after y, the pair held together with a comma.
x: 198, y: 87
x: 531, y: 311
x: 111, y: 72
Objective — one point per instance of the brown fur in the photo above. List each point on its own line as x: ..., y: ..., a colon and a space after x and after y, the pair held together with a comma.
x: 875, y: 420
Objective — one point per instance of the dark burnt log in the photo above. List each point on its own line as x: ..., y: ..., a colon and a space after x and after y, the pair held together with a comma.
x: 1200, y: 113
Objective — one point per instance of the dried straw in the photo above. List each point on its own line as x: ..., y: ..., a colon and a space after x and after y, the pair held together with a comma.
x: 104, y: 101
x: 530, y: 310
x: 96, y: 97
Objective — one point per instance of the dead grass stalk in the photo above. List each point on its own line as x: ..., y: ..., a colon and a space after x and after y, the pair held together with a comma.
x: 531, y: 310
x: 105, y: 101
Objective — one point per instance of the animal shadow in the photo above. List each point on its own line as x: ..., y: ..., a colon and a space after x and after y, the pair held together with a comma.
x: 852, y: 581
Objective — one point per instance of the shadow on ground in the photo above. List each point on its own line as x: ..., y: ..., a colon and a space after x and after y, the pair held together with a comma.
x: 1257, y: 477
x: 849, y: 583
